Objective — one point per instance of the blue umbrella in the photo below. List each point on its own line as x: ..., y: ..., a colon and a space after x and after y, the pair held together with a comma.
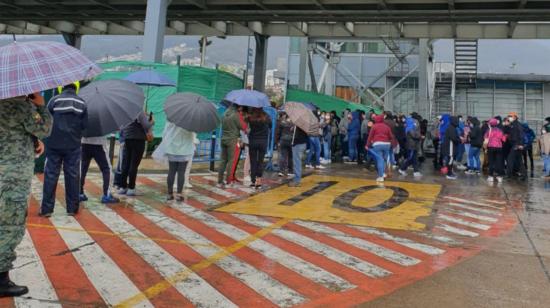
x: 150, y: 78
x: 248, y: 98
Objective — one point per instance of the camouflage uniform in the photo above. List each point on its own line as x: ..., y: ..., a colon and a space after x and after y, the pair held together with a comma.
x: 21, y: 122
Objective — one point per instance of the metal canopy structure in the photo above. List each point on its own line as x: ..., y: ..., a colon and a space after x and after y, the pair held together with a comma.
x: 528, y: 19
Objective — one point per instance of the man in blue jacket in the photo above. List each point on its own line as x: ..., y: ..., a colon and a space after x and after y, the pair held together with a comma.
x: 63, y: 147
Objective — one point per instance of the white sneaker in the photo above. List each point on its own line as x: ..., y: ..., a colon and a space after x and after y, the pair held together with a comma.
x: 280, y: 174
x: 451, y: 177
x: 417, y: 174
x: 188, y: 185
x: 461, y: 167
x: 131, y: 193
x: 380, y: 179
x: 320, y: 167
x: 309, y: 166
x: 490, y: 179
x: 122, y: 191
x: 402, y: 172
x: 499, y: 179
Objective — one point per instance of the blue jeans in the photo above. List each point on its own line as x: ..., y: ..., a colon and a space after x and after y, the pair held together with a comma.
x: 297, y: 154
x: 460, y: 153
x: 474, y: 163
x: 326, y: 150
x: 352, y: 145
x: 314, y: 148
x: 546, y: 159
x: 70, y: 160
x: 381, y: 153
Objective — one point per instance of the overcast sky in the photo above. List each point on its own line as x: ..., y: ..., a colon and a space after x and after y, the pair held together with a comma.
x: 495, y: 56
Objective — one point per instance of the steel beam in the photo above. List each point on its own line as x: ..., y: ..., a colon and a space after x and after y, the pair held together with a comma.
x: 155, y: 28
x: 260, y: 62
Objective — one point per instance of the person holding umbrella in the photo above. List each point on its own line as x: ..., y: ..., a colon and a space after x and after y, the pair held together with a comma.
x: 187, y: 114
x: 259, y: 123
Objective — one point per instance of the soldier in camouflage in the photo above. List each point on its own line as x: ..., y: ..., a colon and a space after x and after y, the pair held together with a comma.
x: 24, y: 121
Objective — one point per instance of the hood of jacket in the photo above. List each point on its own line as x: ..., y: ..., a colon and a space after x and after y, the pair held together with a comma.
x: 475, y: 121
x: 454, y: 121
x: 410, y: 124
x: 379, y: 118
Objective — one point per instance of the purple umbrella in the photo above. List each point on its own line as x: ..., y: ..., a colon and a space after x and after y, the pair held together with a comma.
x: 150, y: 78
x: 29, y: 67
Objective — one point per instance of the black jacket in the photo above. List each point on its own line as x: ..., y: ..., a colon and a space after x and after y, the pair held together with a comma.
x: 451, y: 140
x: 70, y: 119
x: 515, y: 137
x: 298, y: 136
x: 476, y: 135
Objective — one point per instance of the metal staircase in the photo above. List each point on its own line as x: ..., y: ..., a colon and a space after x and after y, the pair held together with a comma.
x: 466, y: 63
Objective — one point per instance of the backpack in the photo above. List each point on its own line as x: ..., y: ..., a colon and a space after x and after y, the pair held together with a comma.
x: 529, y: 137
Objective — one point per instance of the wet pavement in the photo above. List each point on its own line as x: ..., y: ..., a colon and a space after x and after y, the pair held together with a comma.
x: 340, y: 240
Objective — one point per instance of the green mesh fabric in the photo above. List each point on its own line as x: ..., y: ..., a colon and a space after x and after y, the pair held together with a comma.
x: 326, y: 102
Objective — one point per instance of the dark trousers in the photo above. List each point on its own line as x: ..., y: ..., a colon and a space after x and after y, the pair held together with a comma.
x: 513, y: 163
x: 133, y: 153
x: 175, y: 167
x: 70, y: 160
x: 528, y: 153
x: 411, y: 159
x: 344, y: 145
x: 257, y: 154
x: 97, y: 153
x: 495, y: 161
x: 285, y: 159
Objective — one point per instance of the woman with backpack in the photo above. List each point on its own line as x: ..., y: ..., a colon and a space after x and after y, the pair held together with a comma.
x: 494, y: 140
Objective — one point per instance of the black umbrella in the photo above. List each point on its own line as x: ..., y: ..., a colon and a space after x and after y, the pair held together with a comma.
x: 111, y: 105
x: 191, y: 112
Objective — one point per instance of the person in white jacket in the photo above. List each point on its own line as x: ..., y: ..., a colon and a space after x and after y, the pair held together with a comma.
x: 178, y: 146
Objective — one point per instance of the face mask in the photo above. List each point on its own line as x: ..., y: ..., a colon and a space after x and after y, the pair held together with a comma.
x: 511, y: 119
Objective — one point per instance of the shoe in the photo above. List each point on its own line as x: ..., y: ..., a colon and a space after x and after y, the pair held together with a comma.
x: 72, y: 214
x: 170, y: 197
x: 188, y: 185
x: 83, y: 198
x: 131, y: 193
x: 309, y: 166
x: 280, y: 174
x: 320, y: 167
x: 179, y: 197
x: 380, y: 179
x: 417, y: 174
x: 258, y: 187
x: 402, y: 172
x: 461, y: 167
x: 109, y: 199
x: 478, y: 172
x: 490, y: 179
x: 122, y: 191
x: 46, y: 215
x: 291, y: 174
x: 470, y: 172
x: 294, y: 184
x: 10, y: 289
x: 220, y: 185
x: 499, y: 179
x: 451, y: 177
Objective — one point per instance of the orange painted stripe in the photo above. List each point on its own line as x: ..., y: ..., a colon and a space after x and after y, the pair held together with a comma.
x: 71, y: 284
x: 7, y: 302
x: 277, y: 271
x: 138, y: 270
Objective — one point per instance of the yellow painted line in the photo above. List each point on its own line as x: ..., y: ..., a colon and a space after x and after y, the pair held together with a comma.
x: 121, y: 235
x: 181, y: 276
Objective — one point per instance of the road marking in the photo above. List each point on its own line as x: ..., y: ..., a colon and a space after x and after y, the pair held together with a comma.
x: 194, y: 288
x: 473, y: 202
x: 292, y: 262
x: 496, y: 201
x: 239, y: 187
x: 427, y: 249
x: 188, y: 193
x: 255, y: 279
x: 29, y: 270
x: 464, y: 222
x: 473, y: 208
x: 475, y: 216
x: 458, y: 231
x: 107, y: 278
x: 388, y: 254
x: 341, y: 257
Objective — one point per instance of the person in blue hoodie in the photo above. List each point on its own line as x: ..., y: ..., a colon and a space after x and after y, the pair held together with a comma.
x: 354, y: 132
x: 461, y: 146
x: 529, y: 137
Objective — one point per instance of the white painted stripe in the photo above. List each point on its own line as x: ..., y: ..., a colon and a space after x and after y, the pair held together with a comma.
x: 242, y: 188
x: 188, y: 193
x: 475, y: 216
x: 383, y: 252
x: 68, y: 108
x: 473, y: 202
x: 464, y: 222
x: 29, y: 271
x: 427, y: 249
x: 109, y: 280
x: 457, y: 231
x: 476, y: 209
x: 215, y: 190
x: 259, y: 281
x: 440, y: 238
x: 334, y: 254
x: 194, y: 288
x: 496, y: 201
x: 292, y: 262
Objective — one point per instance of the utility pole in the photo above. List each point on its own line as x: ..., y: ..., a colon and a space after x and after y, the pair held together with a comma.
x: 203, y: 42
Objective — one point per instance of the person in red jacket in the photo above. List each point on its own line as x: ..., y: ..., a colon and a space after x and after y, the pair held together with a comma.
x: 379, y: 144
